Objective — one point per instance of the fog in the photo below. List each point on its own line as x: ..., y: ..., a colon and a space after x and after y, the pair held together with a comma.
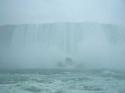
x: 48, y: 45
x: 76, y: 34
x: 44, y: 11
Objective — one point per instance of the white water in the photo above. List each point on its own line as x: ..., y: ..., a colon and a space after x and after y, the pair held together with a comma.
x: 49, y: 81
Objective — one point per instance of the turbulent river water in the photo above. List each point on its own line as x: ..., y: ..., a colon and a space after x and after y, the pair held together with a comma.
x: 62, y: 81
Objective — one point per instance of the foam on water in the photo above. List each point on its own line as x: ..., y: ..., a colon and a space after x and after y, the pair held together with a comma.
x: 63, y: 82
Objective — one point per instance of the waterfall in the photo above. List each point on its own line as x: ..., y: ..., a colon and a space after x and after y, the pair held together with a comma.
x: 53, y: 42
x: 46, y: 36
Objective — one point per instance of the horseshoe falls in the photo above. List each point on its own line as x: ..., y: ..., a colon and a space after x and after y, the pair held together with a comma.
x: 62, y: 58
x: 47, y: 45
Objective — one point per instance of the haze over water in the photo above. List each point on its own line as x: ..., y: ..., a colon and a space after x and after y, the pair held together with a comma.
x: 47, y: 45
x: 62, y: 46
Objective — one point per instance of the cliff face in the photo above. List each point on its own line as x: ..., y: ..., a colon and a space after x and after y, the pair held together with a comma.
x: 47, y: 44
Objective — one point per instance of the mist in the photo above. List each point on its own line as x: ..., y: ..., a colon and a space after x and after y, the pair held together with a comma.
x: 49, y: 11
x: 45, y: 33
x: 62, y: 46
x: 88, y: 45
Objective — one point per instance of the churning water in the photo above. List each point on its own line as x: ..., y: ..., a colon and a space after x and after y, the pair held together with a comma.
x: 62, y: 81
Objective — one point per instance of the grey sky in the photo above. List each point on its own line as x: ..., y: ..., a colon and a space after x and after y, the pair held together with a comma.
x: 39, y: 11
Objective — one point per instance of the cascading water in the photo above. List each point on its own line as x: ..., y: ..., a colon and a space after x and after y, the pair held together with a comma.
x: 62, y: 58
x: 45, y: 45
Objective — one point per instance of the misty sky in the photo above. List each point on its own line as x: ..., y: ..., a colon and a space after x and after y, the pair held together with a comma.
x: 38, y: 11
x: 30, y: 43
